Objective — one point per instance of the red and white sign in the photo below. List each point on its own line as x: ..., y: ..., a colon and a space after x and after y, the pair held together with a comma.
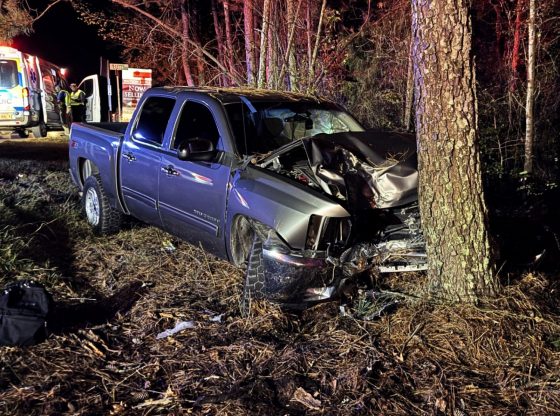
x: 134, y: 82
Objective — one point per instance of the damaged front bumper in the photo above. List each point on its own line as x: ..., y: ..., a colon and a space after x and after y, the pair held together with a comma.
x: 293, y: 277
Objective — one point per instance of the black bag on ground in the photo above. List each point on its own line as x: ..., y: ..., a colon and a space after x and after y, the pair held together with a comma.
x: 24, y: 306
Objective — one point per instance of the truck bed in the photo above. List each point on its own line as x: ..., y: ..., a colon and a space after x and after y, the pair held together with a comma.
x: 115, y: 127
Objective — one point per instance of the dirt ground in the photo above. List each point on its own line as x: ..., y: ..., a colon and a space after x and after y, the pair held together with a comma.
x: 115, y: 294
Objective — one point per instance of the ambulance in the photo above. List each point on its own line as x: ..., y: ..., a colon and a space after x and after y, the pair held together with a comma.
x: 27, y: 93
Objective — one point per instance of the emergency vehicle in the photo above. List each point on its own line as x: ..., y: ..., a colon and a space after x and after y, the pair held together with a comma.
x: 27, y: 93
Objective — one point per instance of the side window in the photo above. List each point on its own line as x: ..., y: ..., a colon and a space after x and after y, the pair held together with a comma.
x: 196, y: 120
x: 87, y: 87
x: 153, y: 119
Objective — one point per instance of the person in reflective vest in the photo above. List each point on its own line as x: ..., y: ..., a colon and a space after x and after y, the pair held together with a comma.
x: 62, y: 97
x: 77, y: 104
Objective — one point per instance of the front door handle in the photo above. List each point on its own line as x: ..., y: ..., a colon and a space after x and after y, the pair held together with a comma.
x: 129, y: 156
x: 169, y: 171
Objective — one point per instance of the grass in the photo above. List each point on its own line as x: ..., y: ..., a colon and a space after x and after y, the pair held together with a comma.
x: 115, y: 294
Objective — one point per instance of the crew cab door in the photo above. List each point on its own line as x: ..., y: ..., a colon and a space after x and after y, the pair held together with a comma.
x: 140, y: 158
x: 192, y: 195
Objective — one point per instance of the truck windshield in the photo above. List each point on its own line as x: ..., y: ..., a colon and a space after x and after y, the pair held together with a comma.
x: 268, y: 126
x: 8, y: 74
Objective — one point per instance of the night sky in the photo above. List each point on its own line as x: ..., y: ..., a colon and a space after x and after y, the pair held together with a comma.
x: 61, y: 38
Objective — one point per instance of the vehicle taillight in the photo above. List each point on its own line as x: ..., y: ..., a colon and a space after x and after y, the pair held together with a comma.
x: 25, y: 95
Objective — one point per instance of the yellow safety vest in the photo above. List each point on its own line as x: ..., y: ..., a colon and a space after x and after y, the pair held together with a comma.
x: 77, y: 97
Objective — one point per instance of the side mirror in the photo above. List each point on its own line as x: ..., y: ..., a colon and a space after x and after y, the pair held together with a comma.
x: 196, y: 150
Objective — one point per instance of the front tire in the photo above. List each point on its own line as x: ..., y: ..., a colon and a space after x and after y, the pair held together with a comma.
x: 254, y: 283
x: 102, y: 218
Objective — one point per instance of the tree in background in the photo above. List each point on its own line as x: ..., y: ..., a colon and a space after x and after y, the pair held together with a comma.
x: 452, y: 205
x: 288, y: 45
x: 17, y: 18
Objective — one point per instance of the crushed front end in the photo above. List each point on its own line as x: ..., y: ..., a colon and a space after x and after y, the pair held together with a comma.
x: 375, y: 180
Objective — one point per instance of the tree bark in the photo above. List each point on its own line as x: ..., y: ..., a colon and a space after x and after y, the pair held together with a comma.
x: 516, y: 43
x: 529, y: 119
x: 409, y: 91
x: 229, y: 39
x: 454, y: 213
x: 311, y: 82
x: 249, y: 28
x: 220, y: 41
x: 264, y: 44
x: 185, y: 27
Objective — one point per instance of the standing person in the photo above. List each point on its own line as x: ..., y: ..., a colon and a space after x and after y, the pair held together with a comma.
x: 77, y: 104
x: 62, y: 97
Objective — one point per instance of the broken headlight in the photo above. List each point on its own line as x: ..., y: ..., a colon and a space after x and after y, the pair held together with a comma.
x: 323, y: 232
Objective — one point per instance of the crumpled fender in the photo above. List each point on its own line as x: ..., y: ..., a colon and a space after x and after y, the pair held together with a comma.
x: 278, y: 202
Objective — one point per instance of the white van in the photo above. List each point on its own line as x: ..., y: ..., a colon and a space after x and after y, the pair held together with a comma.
x: 27, y: 93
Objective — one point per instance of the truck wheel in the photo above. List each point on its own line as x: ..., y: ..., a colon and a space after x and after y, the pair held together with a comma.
x: 254, y: 284
x: 100, y: 215
x: 40, y: 130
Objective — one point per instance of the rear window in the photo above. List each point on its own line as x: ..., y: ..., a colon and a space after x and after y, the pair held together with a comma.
x: 8, y: 74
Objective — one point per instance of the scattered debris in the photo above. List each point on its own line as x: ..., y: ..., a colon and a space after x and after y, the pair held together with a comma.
x: 180, y: 326
x: 306, y: 399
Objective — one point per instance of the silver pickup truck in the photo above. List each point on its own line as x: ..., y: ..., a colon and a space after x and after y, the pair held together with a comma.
x: 288, y: 186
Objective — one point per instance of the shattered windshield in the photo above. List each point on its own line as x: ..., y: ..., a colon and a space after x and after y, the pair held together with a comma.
x: 262, y: 127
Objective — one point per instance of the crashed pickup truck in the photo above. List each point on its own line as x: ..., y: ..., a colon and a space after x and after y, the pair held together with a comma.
x: 289, y: 187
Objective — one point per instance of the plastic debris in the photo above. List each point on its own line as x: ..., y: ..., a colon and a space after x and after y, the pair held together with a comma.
x: 168, y: 246
x: 178, y: 328
x: 217, y: 318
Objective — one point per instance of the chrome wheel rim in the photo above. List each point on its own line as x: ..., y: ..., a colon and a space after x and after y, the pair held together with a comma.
x: 92, y: 207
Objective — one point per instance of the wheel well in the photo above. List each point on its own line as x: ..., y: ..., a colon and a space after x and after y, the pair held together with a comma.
x: 86, y: 169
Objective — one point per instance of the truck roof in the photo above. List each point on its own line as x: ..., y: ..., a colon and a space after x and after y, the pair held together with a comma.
x: 232, y: 95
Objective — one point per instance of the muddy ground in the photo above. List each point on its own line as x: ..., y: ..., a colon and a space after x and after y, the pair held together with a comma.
x: 115, y: 295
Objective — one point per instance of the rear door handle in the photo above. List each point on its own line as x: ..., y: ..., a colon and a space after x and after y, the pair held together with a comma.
x: 169, y: 171
x: 129, y: 156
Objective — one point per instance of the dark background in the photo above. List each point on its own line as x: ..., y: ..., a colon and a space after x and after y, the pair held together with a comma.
x: 61, y: 38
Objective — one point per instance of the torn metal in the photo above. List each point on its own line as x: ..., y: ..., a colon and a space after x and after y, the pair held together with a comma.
x: 374, y: 176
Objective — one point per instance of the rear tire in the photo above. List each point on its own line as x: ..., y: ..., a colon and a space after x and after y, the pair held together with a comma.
x: 102, y: 218
x: 40, y: 130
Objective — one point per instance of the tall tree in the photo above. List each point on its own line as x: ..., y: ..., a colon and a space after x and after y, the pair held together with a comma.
x: 249, y: 37
x: 264, y: 44
x: 454, y: 213
x: 185, y: 47
x: 530, y: 101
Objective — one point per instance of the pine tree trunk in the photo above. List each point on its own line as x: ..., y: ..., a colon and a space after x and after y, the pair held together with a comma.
x: 454, y: 214
x: 529, y: 119
x: 249, y: 27
x: 409, y: 92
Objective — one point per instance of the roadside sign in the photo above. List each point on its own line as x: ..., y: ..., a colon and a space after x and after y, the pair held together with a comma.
x: 134, y: 82
x: 118, y: 67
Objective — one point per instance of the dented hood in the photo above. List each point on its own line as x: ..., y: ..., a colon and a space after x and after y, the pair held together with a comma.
x: 375, y: 169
